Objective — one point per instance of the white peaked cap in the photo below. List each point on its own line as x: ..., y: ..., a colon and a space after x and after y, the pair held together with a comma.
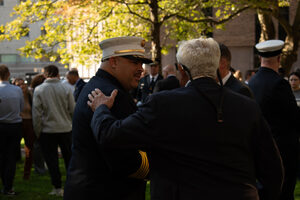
x: 269, y: 48
x: 124, y: 46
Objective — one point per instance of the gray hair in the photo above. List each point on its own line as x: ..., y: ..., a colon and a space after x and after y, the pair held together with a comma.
x: 201, y: 56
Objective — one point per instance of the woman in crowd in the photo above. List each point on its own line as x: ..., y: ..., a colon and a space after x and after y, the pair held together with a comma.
x: 294, y: 80
x: 27, y: 128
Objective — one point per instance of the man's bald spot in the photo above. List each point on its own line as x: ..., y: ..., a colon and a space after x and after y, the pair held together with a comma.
x: 170, y: 69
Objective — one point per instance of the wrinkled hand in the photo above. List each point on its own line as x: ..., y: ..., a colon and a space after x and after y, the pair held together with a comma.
x: 97, y: 98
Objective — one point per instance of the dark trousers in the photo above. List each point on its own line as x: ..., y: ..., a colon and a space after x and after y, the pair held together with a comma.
x: 38, y: 159
x: 29, y: 138
x: 289, y: 155
x: 49, y: 144
x: 10, y: 135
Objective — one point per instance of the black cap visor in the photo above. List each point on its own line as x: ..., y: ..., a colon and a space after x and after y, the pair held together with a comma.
x: 138, y: 58
x: 270, y: 53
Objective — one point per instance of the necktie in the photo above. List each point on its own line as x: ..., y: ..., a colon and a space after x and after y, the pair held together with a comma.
x: 152, y: 83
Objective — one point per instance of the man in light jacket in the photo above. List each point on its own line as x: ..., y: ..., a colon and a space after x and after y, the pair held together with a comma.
x: 52, y: 111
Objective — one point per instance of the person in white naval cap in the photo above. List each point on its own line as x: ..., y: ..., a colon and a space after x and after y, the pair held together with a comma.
x: 108, y: 173
x: 278, y: 105
x: 199, y: 145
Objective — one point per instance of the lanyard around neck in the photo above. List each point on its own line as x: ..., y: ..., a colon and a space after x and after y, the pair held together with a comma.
x: 217, y: 108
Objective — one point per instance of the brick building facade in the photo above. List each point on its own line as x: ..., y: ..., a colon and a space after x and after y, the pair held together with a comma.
x: 9, y: 54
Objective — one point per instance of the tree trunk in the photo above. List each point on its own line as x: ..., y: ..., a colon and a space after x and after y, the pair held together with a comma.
x: 290, y: 52
x: 156, y: 48
x: 155, y: 32
x: 267, y: 26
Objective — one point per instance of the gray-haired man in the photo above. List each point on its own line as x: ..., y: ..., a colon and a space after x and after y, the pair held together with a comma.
x: 198, y: 142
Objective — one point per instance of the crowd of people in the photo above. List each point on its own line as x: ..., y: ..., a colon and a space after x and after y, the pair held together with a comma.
x: 195, y: 130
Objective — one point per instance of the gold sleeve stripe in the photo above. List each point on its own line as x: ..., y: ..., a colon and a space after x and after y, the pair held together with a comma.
x: 143, y: 171
x: 130, y: 51
x: 144, y: 168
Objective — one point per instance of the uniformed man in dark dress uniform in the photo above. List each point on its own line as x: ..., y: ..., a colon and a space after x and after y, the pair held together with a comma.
x: 147, y: 83
x: 198, y: 144
x: 108, y: 173
x: 279, y: 107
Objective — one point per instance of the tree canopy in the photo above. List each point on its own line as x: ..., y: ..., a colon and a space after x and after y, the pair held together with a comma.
x: 71, y: 30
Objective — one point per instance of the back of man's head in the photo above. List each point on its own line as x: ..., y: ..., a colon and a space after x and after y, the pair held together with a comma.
x: 4, y: 73
x: 225, y: 53
x: 51, y: 71
x: 269, y: 52
x: 72, y: 76
x: 37, y: 80
x: 73, y: 72
x: 201, y: 56
x: 169, y: 70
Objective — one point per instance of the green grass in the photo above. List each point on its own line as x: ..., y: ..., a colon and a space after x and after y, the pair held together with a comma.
x: 38, y: 186
x: 297, y: 191
x: 148, y: 191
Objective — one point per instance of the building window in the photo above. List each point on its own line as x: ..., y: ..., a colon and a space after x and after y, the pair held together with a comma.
x: 257, y: 29
x: 26, y: 59
x: 284, y: 13
x: 257, y: 37
x: 1, y: 2
x: 25, y: 30
x: 8, y: 58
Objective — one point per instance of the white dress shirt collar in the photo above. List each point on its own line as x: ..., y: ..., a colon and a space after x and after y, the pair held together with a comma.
x: 155, y: 77
x: 225, y: 79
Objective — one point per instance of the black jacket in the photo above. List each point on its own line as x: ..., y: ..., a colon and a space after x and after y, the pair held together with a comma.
x: 169, y: 83
x: 78, y: 87
x: 192, y: 156
x: 277, y: 103
x: 100, y: 172
x: 237, y: 86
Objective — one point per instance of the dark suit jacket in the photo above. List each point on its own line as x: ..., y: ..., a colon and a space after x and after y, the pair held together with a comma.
x: 95, y: 171
x: 171, y: 82
x: 237, y: 86
x: 192, y: 156
x: 278, y: 104
x: 78, y: 87
x: 143, y: 90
